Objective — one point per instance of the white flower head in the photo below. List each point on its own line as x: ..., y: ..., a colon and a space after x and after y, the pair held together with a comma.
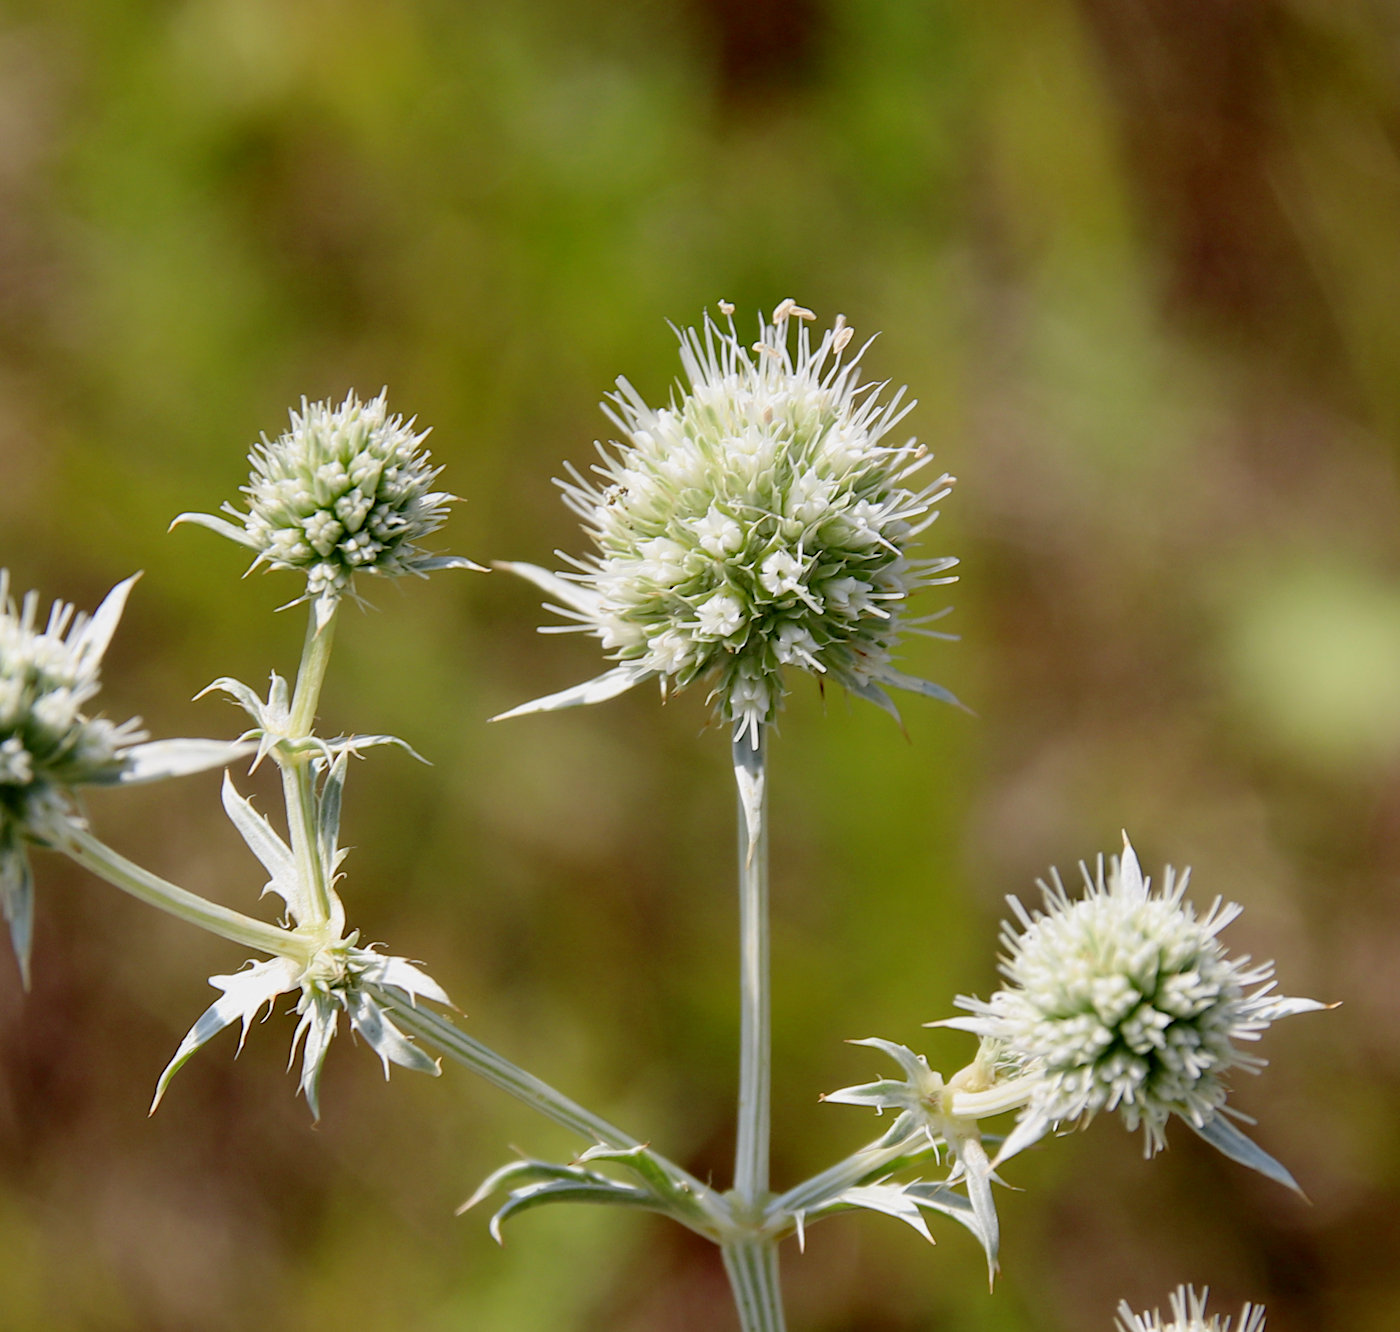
x: 1188, y: 1314
x: 344, y: 490
x: 1125, y: 1000
x: 50, y: 744
x: 762, y: 519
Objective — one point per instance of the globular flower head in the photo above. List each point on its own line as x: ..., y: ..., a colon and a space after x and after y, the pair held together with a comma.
x: 344, y: 490
x: 1188, y: 1314
x: 50, y: 744
x: 1125, y: 1000
x: 763, y: 519
x: 47, y: 676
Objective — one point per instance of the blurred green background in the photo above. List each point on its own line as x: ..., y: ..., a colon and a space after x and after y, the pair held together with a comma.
x: 1139, y: 260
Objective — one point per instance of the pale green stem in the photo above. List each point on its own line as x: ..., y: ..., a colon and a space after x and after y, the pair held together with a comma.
x: 299, y: 791
x: 315, y: 657
x: 752, y: 1266
x: 860, y: 1167
x: 444, y: 1036
x: 751, y: 1148
x: 449, y: 1039
x: 298, y: 784
x: 752, y: 1261
x: 150, y: 888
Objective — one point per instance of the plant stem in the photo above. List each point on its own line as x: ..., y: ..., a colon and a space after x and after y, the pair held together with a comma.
x: 450, y: 1040
x: 298, y: 786
x: 315, y: 656
x: 752, y: 1261
x: 751, y: 1149
x: 154, y: 891
x: 752, y: 1266
x: 444, y: 1036
x: 858, y: 1168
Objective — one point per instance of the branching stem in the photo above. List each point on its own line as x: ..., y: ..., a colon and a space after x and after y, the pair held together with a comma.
x: 752, y: 1267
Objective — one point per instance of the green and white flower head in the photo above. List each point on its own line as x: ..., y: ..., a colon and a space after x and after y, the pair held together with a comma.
x: 1125, y: 1000
x: 50, y: 745
x: 344, y: 490
x: 762, y: 520
x: 1188, y: 1314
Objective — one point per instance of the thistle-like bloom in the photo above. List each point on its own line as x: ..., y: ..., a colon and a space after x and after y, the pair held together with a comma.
x: 1125, y: 1000
x: 1122, y: 1000
x: 331, y: 977
x: 345, y: 490
x: 1189, y: 1315
x: 762, y: 520
x: 49, y: 744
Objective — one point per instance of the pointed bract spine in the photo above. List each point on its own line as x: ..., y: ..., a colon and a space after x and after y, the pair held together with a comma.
x: 331, y: 976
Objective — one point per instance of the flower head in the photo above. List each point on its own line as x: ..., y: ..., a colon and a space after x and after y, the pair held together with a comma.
x: 1125, y: 1000
x: 50, y: 745
x: 762, y: 520
x: 345, y: 490
x: 1189, y: 1315
x: 1121, y: 1000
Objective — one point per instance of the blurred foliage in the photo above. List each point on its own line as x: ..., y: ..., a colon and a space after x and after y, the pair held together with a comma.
x: 1138, y: 261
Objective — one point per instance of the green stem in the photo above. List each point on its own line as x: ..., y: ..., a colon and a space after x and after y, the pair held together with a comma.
x: 751, y: 1149
x: 858, y: 1168
x: 450, y: 1040
x: 315, y: 657
x: 150, y: 888
x: 299, y: 791
x: 752, y: 1266
x: 298, y: 782
x: 752, y: 1259
x: 444, y: 1036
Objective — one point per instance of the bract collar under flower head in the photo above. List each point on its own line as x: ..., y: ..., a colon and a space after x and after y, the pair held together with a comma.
x: 50, y: 746
x: 332, y: 976
x: 1189, y: 1315
x: 760, y: 521
x: 345, y: 490
x: 1124, y: 1000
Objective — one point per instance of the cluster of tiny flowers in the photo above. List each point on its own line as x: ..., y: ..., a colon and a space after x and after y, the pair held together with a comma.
x: 1125, y: 1000
x: 759, y: 521
x: 47, y: 742
x: 50, y: 746
x: 1188, y: 1315
x: 344, y: 490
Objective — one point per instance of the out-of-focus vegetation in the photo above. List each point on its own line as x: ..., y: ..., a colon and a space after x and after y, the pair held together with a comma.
x: 1140, y: 262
